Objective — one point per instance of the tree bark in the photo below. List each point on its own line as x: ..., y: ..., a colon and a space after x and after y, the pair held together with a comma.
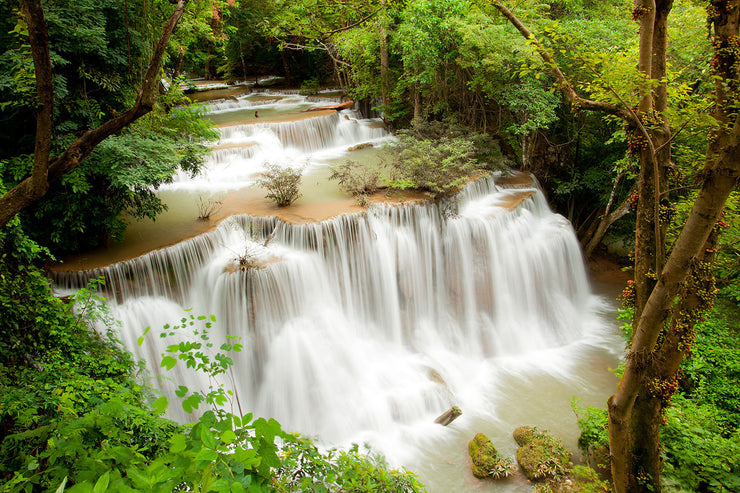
x: 634, y: 429
x: 607, y: 219
x: 39, y: 40
x: 384, y: 80
x: 47, y: 169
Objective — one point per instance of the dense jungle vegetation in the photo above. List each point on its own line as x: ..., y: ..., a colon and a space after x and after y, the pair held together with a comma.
x: 626, y: 112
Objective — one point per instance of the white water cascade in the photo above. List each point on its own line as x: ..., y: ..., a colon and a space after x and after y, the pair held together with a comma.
x: 366, y: 327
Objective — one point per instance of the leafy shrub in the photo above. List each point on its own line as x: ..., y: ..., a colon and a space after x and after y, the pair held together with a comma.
x: 282, y: 184
x: 356, y: 178
x: 439, y: 157
x: 701, y: 454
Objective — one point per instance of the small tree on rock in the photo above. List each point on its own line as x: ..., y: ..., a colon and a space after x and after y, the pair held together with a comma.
x: 282, y: 184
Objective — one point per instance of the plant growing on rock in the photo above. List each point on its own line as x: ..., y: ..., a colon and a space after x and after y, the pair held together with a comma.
x: 541, y: 456
x: 282, y: 184
x: 487, y: 462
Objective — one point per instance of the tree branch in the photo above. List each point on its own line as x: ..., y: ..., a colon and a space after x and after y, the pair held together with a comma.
x: 33, y: 13
x: 565, y: 87
x: 25, y: 193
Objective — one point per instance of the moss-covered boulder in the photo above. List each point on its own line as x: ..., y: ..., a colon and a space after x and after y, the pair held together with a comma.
x: 524, y: 434
x: 581, y: 479
x: 487, y: 462
x: 540, y: 455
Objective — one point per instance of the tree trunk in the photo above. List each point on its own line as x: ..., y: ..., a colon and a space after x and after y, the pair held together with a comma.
x: 633, y: 425
x: 384, y: 81
x: 46, y: 170
x: 417, y: 104
x: 607, y: 219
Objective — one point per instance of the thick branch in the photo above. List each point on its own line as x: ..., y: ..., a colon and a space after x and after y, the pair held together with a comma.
x: 22, y: 195
x: 609, y: 218
x: 565, y: 87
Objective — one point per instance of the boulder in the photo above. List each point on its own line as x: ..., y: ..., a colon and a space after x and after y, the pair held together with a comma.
x: 540, y: 455
x: 487, y: 462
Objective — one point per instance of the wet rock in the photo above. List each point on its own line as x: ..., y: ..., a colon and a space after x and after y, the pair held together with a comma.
x: 540, y: 455
x: 366, y: 145
x: 487, y: 462
x: 449, y: 416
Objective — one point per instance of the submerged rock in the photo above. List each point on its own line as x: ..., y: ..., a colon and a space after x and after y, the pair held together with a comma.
x: 487, y: 462
x: 540, y: 455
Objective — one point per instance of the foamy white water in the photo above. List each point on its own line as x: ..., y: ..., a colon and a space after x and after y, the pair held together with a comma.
x: 368, y: 326
x: 246, y: 149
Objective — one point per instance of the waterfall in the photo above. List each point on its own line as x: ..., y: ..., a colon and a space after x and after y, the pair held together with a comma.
x: 365, y: 321
x: 365, y: 327
x: 245, y: 150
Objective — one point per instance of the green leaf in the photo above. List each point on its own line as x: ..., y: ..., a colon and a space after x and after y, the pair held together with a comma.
x: 168, y: 362
x: 178, y: 443
x: 206, y: 436
x: 102, y: 483
x: 60, y: 489
x: 181, y: 391
x: 140, y: 340
x: 207, y: 454
x: 228, y: 436
x: 160, y: 405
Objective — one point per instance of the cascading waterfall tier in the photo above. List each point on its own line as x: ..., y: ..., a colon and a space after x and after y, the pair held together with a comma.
x: 245, y: 150
x: 366, y: 322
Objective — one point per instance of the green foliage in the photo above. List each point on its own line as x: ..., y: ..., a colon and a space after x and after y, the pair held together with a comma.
x: 592, y: 423
x: 304, y: 468
x: 282, y: 184
x: 438, y: 158
x: 73, y: 416
x: 356, y: 178
x: 700, y: 455
x: 127, y: 167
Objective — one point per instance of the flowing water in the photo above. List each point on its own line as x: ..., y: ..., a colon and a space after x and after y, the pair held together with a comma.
x: 365, y: 327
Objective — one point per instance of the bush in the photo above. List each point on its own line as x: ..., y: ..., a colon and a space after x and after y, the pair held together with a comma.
x: 282, y: 184
x: 439, y: 157
x: 356, y: 178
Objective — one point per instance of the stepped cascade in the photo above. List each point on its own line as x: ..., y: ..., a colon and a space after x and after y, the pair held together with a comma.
x: 365, y: 327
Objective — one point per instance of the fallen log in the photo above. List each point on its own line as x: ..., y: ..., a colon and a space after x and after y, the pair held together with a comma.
x: 336, y: 107
x: 449, y: 416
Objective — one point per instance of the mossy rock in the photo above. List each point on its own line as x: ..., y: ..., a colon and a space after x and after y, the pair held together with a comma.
x: 540, y: 455
x: 524, y: 434
x: 581, y: 480
x: 487, y: 462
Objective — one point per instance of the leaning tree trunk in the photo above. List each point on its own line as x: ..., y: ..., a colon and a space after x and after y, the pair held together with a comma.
x: 384, y: 80
x: 645, y: 422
